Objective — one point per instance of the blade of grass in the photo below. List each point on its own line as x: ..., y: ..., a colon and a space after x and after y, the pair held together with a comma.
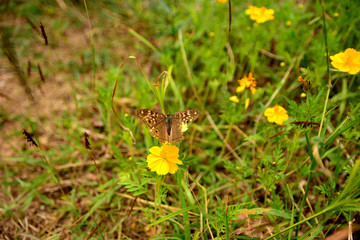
x: 144, y: 40
x: 173, y: 214
x: 312, y: 168
x: 183, y: 205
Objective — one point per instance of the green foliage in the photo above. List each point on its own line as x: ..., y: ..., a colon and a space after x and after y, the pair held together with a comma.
x: 242, y: 177
x: 272, y: 173
x: 135, y: 186
x: 327, y: 188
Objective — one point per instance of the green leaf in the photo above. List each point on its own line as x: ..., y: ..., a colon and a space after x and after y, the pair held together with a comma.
x: 171, y: 215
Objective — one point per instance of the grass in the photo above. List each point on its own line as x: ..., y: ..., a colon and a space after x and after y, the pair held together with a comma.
x: 242, y: 177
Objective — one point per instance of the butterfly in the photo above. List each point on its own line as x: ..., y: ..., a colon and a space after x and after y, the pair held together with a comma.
x: 166, y: 128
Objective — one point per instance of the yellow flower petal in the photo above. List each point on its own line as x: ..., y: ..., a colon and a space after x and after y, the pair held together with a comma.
x: 276, y: 114
x: 162, y: 168
x: 250, y: 10
x: 253, y: 90
x: 234, y: 99
x: 173, y: 168
x: 247, y: 101
x: 240, y: 88
x: 250, y: 77
x: 174, y: 160
x: 348, y: 61
x: 269, y: 112
x: 154, y: 166
x: 260, y: 15
x: 153, y: 158
x: 171, y: 151
x: 155, y: 150
x: 247, y: 82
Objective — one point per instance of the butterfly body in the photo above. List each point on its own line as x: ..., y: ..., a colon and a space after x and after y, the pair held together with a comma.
x: 166, y: 128
x: 168, y: 123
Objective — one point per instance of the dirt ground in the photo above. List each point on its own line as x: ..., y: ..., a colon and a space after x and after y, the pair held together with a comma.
x: 54, y: 96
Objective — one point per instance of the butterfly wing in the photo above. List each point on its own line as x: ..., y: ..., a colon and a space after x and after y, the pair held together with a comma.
x: 179, y: 118
x: 176, y: 133
x: 150, y: 117
x: 154, y: 121
x: 186, y: 116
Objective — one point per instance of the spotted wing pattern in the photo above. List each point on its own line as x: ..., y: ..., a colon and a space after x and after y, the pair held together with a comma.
x: 186, y: 116
x: 154, y: 121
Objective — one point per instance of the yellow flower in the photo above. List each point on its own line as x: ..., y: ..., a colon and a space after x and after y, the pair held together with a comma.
x: 247, y: 82
x: 222, y: 1
x: 260, y: 15
x: 234, y: 99
x: 276, y: 114
x: 348, y: 61
x: 163, y: 160
x: 282, y: 64
x: 288, y: 23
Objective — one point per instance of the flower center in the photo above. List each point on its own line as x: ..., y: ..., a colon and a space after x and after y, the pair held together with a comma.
x: 163, y: 154
x: 277, y: 110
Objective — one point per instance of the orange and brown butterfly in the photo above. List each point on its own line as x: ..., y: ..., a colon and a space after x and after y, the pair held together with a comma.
x: 167, y: 128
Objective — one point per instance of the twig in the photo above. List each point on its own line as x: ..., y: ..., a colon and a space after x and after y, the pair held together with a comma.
x: 271, y: 55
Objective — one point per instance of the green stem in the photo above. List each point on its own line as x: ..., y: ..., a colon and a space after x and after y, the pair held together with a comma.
x: 312, y: 167
x: 226, y: 225
x: 160, y: 99
x: 92, y: 45
x: 181, y: 184
x: 297, y: 224
x: 337, y: 129
x: 157, y: 206
x: 328, y: 68
x: 144, y: 40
